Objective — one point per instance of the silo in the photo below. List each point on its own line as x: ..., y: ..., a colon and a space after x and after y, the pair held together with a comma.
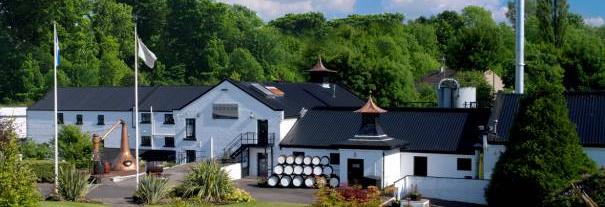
x: 447, y: 92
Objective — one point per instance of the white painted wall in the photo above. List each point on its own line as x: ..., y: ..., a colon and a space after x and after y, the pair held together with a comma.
x: 285, y: 127
x: 438, y: 165
x: 40, y: 126
x: 596, y: 154
x: 372, y: 163
x: 223, y: 130
x: 452, y: 189
x: 490, y: 157
x: 233, y: 170
x: 18, y: 117
x: 392, y: 167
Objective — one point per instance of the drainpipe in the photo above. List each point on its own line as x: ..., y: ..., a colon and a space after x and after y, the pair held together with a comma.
x: 382, y: 179
x: 520, y: 46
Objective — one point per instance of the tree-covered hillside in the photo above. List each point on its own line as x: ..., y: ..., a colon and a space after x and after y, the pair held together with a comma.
x: 201, y: 42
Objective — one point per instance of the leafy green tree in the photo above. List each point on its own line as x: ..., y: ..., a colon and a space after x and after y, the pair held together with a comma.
x: 300, y: 24
x: 544, y: 155
x: 553, y: 20
x: 479, y: 45
x: 244, y: 64
x: 74, y: 146
x: 17, y: 181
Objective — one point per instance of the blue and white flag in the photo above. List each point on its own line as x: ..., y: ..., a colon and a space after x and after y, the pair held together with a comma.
x: 56, y: 46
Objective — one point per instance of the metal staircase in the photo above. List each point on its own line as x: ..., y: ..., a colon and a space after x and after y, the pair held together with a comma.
x: 238, y: 150
x: 245, y: 140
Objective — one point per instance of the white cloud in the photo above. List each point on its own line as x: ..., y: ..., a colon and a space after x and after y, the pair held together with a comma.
x: 271, y: 9
x: 594, y: 21
x: 416, y: 8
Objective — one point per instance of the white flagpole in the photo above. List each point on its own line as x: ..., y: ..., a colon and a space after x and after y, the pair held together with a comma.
x: 56, y: 187
x: 136, y: 100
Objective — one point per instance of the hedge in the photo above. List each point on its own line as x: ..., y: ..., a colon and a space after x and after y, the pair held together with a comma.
x: 44, y: 169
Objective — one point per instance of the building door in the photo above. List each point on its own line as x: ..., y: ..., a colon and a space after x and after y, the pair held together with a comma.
x: 355, y: 171
x: 263, y: 132
x: 420, y: 166
x: 190, y: 155
x: 261, y: 166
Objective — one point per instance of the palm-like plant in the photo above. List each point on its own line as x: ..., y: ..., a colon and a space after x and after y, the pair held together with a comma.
x: 73, y: 185
x: 151, y: 190
x: 207, y: 182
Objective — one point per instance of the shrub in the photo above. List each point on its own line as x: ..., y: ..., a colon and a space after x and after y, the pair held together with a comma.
x: 44, y: 169
x: 151, y: 190
x: 73, y: 184
x: 17, y: 183
x: 75, y: 147
x: 348, y: 196
x: 206, y: 182
x: 32, y: 150
x: 238, y: 196
x: 593, y: 186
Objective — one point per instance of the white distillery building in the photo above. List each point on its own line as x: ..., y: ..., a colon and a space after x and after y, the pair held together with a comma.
x: 17, y: 116
x: 244, y: 121
x: 373, y: 146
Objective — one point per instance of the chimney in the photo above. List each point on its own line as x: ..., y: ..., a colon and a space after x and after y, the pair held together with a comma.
x: 370, y: 126
x: 320, y: 74
x: 520, y: 46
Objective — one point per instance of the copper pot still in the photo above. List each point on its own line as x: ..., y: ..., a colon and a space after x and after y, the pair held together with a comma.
x: 124, y: 161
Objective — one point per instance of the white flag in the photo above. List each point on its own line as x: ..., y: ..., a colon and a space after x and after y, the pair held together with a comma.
x: 146, y: 54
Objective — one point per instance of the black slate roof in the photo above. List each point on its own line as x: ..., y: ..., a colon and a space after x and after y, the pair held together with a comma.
x: 586, y: 110
x: 168, y: 98
x: 415, y: 129
x: 162, y: 98
x: 303, y: 95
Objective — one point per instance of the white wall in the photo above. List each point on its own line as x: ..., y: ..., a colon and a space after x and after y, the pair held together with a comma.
x: 233, y: 170
x: 285, y: 127
x: 40, y: 126
x: 223, y: 130
x: 490, y: 157
x: 438, y: 165
x: 392, y: 166
x: 451, y: 189
x: 372, y: 163
x: 596, y: 154
x: 18, y: 117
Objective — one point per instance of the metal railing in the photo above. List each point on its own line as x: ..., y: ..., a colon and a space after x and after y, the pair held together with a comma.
x: 246, y: 139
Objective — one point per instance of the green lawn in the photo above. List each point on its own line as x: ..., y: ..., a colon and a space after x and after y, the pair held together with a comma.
x: 252, y: 204
x: 68, y: 204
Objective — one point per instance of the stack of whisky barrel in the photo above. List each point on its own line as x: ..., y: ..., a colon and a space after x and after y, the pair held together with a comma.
x: 302, y: 171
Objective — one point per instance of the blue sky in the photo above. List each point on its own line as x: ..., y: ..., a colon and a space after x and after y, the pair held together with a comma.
x: 593, y: 11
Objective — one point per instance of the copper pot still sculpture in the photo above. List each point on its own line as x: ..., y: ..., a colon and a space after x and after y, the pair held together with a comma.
x: 124, y: 161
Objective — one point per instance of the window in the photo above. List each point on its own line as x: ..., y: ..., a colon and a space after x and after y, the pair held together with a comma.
x: 60, y: 118
x: 145, y: 118
x: 334, y: 159
x: 224, y: 111
x: 464, y: 164
x: 168, y: 141
x: 296, y: 154
x: 420, y: 166
x: 190, y: 129
x: 168, y: 119
x: 146, y: 141
x: 100, y: 119
x: 79, y: 119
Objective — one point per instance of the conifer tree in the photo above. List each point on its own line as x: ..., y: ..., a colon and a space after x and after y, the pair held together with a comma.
x: 544, y: 155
